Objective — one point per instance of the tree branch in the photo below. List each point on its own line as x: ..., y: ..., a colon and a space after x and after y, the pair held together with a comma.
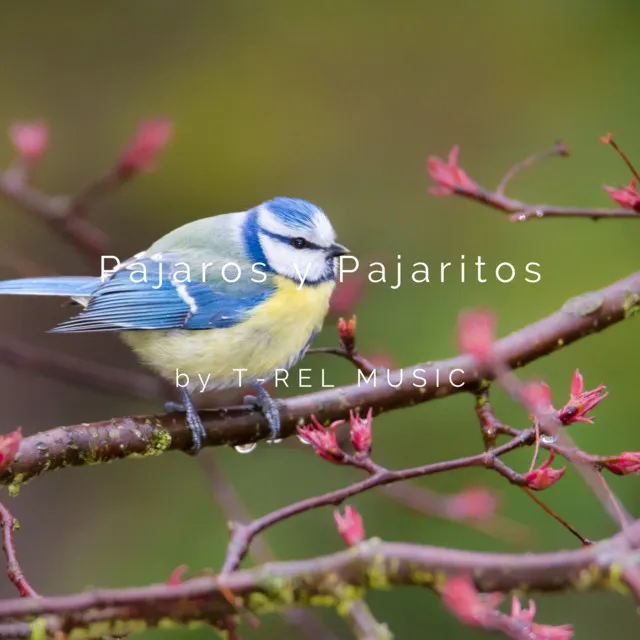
x: 370, y: 565
x: 88, y: 373
x: 116, y: 438
x: 452, y: 180
x: 56, y: 212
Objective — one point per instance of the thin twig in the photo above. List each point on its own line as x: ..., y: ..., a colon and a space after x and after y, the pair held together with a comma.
x: 608, y: 139
x: 558, y: 150
x: 243, y: 534
x: 553, y: 514
x: 229, y: 500
x: 9, y: 525
x: 449, y: 179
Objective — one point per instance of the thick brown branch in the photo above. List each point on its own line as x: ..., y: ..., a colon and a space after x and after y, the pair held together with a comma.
x: 324, y: 581
x: 148, y: 435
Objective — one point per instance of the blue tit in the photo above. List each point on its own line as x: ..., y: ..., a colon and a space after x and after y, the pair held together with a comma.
x: 227, y: 298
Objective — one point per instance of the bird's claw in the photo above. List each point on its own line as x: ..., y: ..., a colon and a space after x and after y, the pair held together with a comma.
x: 198, y: 433
x: 269, y: 409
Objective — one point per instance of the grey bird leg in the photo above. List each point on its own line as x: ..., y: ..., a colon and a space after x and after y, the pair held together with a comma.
x: 269, y: 409
x: 194, y: 423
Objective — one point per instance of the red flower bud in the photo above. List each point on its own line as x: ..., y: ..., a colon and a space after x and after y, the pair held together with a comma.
x: 538, y: 631
x: 150, y: 138
x: 477, y: 504
x: 449, y: 176
x: 9, y: 446
x: 544, y: 476
x: 323, y: 441
x: 624, y: 464
x: 361, y: 432
x: 461, y: 597
x: 476, y: 334
x: 350, y: 525
x: 627, y: 196
x: 176, y: 575
x: 347, y: 331
x: 29, y: 139
x: 580, y: 401
x: 537, y: 396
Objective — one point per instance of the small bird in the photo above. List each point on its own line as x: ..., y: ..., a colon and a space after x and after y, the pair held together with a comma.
x: 219, y: 302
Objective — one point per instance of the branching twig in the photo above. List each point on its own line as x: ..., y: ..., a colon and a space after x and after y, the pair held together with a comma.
x: 454, y: 181
x: 243, y: 534
x: 230, y: 502
x: 9, y: 525
x: 56, y: 212
x: 558, y: 150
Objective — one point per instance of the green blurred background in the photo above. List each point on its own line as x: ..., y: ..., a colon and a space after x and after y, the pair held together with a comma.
x: 339, y: 102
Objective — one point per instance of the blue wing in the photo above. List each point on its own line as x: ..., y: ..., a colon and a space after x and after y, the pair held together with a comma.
x: 126, y: 302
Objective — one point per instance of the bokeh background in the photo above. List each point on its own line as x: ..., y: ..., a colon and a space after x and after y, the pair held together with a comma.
x: 340, y: 103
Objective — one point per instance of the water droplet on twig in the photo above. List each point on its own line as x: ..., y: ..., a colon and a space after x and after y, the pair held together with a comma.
x: 246, y: 448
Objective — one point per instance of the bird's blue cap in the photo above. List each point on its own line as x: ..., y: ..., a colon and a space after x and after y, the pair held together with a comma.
x: 294, y: 212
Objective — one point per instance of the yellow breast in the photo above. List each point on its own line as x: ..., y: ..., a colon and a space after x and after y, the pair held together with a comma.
x: 275, y: 332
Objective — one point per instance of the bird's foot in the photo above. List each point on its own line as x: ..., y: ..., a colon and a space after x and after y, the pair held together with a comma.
x: 198, y: 434
x: 269, y: 408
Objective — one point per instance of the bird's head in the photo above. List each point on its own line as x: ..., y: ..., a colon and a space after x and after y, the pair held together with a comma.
x: 295, y: 239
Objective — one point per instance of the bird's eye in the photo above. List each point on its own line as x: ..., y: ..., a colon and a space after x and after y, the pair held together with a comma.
x: 299, y: 243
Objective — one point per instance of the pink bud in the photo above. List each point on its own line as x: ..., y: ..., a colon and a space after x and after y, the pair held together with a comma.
x: 347, y: 331
x: 29, y: 139
x: 624, y: 464
x: 361, y: 432
x: 537, y: 396
x: 544, y: 476
x: 461, y: 597
x: 581, y: 401
x: 150, y: 138
x: 476, y: 333
x: 176, y: 575
x: 477, y: 504
x: 350, y: 525
x: 323, y: 441
x: 9, y: 446
x: 449, y: 176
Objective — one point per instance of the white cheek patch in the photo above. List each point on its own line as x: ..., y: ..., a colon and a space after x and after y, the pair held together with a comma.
x: 302, y: 265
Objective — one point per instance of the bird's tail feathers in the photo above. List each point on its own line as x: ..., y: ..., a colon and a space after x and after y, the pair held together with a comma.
x: 68, y: 286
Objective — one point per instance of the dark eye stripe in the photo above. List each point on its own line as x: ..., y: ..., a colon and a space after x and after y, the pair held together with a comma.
x: 286, y: 240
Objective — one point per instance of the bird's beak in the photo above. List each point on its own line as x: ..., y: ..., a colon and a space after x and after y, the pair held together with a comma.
x: 336, y: 250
